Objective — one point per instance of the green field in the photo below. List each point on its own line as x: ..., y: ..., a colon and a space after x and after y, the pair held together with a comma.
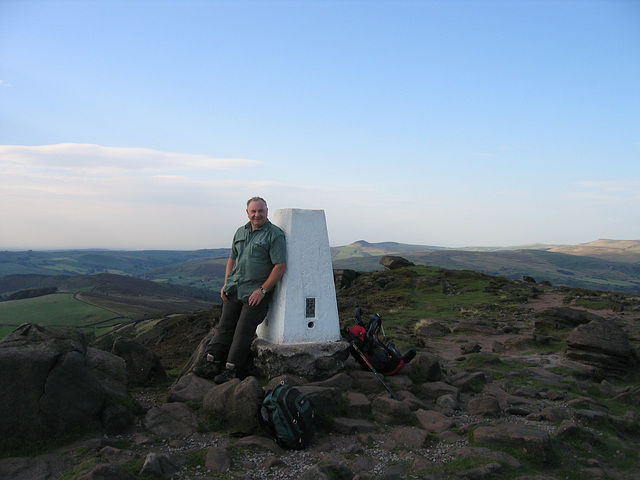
x: 60, y: 309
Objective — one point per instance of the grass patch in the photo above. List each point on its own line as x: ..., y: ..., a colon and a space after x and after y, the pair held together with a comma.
x: 438, y: 294
x: 56, y: 310
x: 530, y: 465
x: 196, y: 458
x: 579, y: 448
x: 480, y: 360
x: 78, y: 469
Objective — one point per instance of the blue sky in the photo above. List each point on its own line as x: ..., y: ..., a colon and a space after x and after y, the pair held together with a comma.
x: 147, y: 124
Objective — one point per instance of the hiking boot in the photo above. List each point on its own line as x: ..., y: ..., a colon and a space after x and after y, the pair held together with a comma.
x: 224, y: 376
x: 208, y: 369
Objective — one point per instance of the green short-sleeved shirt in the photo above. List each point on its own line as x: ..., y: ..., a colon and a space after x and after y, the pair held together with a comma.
x: 255, y: 253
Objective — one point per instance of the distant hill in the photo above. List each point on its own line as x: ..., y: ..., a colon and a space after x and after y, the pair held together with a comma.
x: 616, y: 250
x: 612, y: 265
x: 199, y: 268
x: 362, y: 248
x: 602, y: 264
x: 87, y: 262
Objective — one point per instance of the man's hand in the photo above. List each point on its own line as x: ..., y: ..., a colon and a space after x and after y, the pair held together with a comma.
x: 223, y: 294
x: 256, y: 297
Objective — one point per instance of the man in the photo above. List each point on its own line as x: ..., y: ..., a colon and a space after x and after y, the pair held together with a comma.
x: 256, y: 264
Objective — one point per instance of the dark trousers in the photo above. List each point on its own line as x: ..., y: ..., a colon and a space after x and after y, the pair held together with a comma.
x: 234, y: 334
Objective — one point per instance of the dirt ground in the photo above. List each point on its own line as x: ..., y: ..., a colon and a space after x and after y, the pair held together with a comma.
x: 450, y: 348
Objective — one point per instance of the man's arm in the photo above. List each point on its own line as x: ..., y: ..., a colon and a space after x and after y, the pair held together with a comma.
x: 274, y: 277
x: 230, y: 264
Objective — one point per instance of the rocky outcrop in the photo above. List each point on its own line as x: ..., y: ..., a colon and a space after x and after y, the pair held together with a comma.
x: 452, y: 418
x: 603, y: 345
x: 343, y: 278
x: 143, y: 366
x: 235, y: 404
x: 171, y: 420
x: 600, y: 345
x: 315, y: 361
x: 44, y: 467
x: 562, y: 318
x: 52, y: 383
x: 393, y: 262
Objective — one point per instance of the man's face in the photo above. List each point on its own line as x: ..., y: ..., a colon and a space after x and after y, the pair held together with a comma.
x: 257, y: 213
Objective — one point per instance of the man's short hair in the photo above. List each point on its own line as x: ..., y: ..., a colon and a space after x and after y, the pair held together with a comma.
x: 256, y: 199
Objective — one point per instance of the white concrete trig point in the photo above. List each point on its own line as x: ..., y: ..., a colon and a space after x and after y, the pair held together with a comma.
x: 304, y: 308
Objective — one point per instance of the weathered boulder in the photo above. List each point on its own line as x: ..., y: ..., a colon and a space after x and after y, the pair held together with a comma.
x: 468, y: 381
x: 399, y: 382
x: 48, y: 386
x: 344, y: 278
x: 480, y: 473
x: 485, y: 406
x: 44, y: 467
x: 190, y: 388
x: 163, y: 465
x: 448, y: 402
x: 219, y: 459
x: 413, y: 402
x: 434, y: 390
x: 602, y: 345
x: 366, y: 382
x: 340, y: 380
x: 359, y: 405
x: 427, y: 366
x: 433, y: 421
x: 546, y: 377
x: 171, y: 420
x: 470, y: 452
x: 351, y: 426
x: 562, y: 318
x: 117, y: 419
x: 325, y: 400
x: 468, y: 348
x: 143, y: 366
x: 555, y: 414
x: 107, y: 471
x: 328, y: 471
x: 431, y: 328
x: 260, y: 442
x: 571, y: 430
x: 235, y: 404
x: 535, y: 441
x: 393, y: 262
x: 410, y: 436
x: 110, y: 369
x: 391, y: 412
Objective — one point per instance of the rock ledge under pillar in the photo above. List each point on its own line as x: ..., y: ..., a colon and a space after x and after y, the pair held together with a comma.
x: 314, y: 361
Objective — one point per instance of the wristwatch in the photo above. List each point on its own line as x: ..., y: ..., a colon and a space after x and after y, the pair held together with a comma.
x: 264, y: 292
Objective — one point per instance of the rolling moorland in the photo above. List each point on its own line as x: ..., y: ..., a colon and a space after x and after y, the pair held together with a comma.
x: 491, y: 338
x: 98, y: 289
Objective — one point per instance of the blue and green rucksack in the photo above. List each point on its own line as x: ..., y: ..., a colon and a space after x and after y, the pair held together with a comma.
x: 288, y: 416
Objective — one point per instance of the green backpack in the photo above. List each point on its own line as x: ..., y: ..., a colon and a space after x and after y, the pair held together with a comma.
x: 288, y: 416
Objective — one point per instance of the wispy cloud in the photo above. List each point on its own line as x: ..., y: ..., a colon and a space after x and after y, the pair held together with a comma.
x: 71, y: 195
x: 98, y: 159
